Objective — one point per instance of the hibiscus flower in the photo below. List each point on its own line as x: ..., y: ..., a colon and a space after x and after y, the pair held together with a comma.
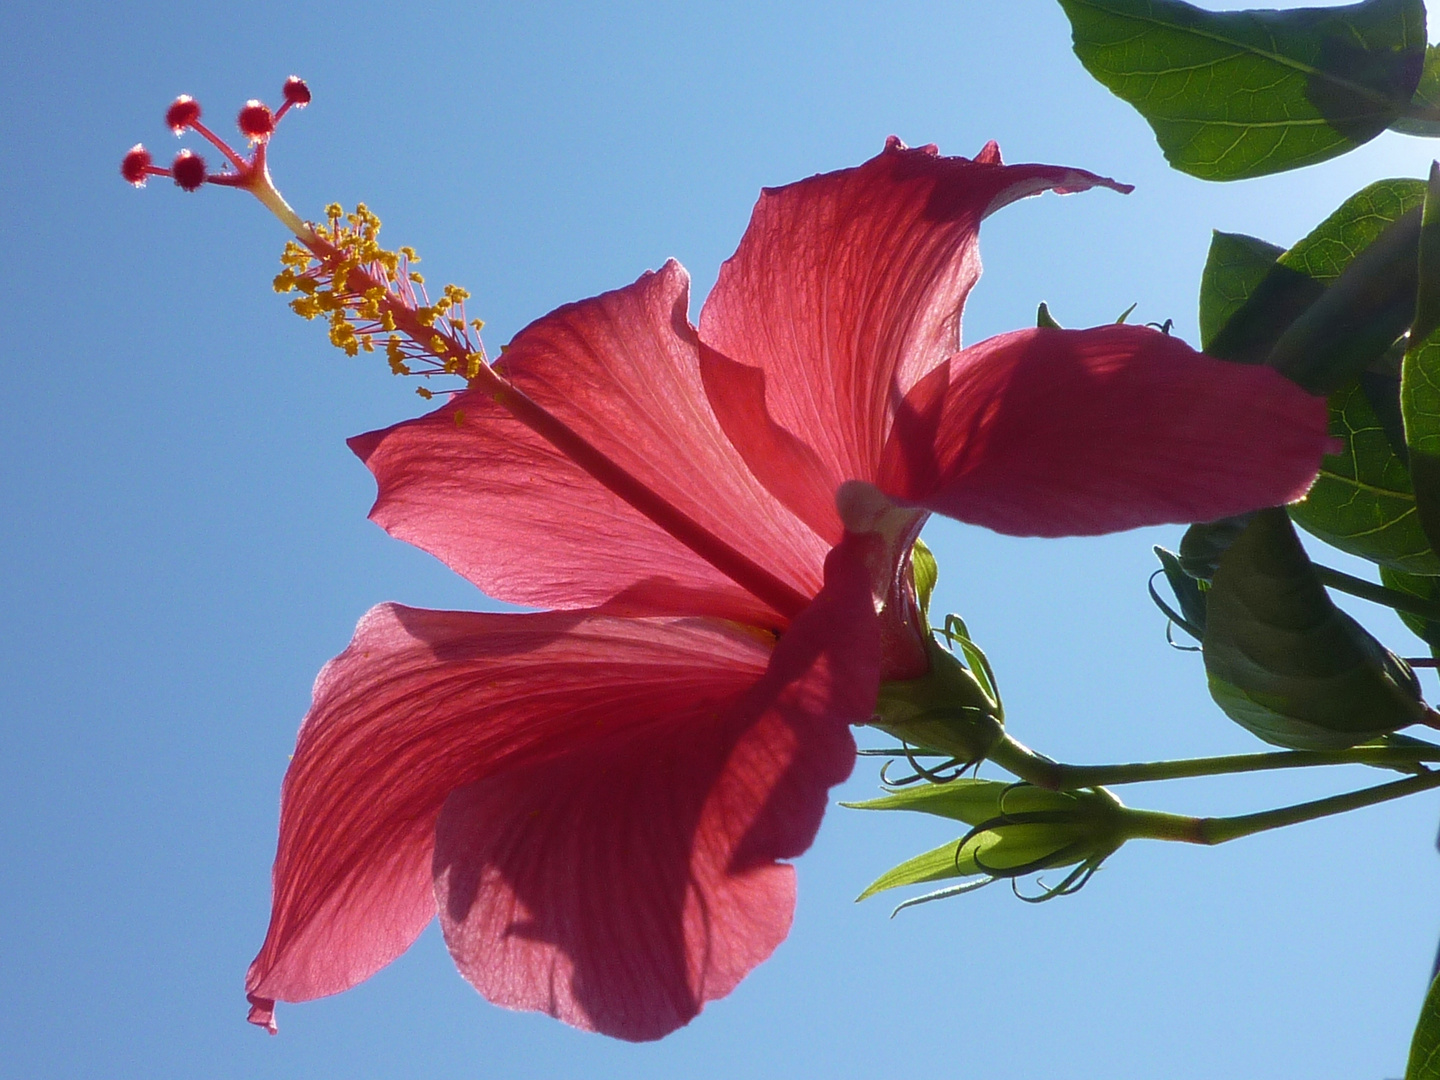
x: 596, y: 799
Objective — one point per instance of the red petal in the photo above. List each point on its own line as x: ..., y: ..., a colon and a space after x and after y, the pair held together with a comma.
x: 473, y: 486
x: 632, y: 877
x: 845, y: 291
x: 1074, y: 432
x: 425, y: 702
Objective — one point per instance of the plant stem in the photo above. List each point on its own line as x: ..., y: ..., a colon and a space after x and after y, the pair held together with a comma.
x: 1155, y: 825
x: 1377, y: 594
x: 1015, y: 757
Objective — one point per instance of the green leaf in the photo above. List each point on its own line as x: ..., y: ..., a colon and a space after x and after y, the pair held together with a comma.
x: 926, y: 571
x: 1359, y: 317
x: 1420, y: 374
x: 1284, y: 662
x: 1246, y: 93
x: 1423, y: 115
x: 1427, y: 588
x: 1302, y: 274
x: 1424, y: 1063
x: 1362, y: 501
x: 1234, y: 269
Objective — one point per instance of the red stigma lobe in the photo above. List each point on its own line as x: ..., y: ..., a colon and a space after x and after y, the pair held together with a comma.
x: 183, y: 113
x: 135, y: 165
x: 255, y: 120
x: 188, y: 169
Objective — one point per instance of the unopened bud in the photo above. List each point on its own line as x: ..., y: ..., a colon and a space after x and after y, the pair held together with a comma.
x: 1016, y: 830
x: 947, y: 709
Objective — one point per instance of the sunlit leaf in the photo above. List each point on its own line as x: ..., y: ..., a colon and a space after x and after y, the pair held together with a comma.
x: 1246, y: 93
x: 1234, y: 269
x: 1301, y: 275
x: 1363, y: 502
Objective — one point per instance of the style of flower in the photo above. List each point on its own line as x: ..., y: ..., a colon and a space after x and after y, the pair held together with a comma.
x: 595, y: 799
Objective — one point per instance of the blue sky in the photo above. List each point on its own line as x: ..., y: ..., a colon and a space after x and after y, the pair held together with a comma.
x: 184, y: 541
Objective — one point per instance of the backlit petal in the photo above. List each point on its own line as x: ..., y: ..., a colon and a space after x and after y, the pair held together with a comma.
x: 845, y: 291
x: 425, y: 702
x: 626, y: 881
x: 527, y: 524
x: 1048, y: 432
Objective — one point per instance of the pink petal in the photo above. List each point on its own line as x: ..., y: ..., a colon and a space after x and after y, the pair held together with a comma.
x: 425, y: 702
x: 526, y: 523
x: 631, y: 877
x: 1074, y: 432
x: 845, y: 291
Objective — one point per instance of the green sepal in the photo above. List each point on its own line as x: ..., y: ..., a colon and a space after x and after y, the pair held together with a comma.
x: 1188, y: 593
x: 951, y: 709
x: 926, y: 572
x: 1236, y: 94
x: 1043, y: 318
x: 1424, y: 1062
x: 1284, y: 662
x: 1026, y: 830
x: 971, y: 801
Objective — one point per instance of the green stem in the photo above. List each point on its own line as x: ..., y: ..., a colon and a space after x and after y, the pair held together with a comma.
x: 1016, y: 758
x: 1155, y: 825
x: 1377, y: 594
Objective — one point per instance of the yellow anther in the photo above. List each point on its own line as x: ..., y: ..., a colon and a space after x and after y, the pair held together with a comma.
x: 426, y: 394
x: 387, y: 320
x: 417, y: 277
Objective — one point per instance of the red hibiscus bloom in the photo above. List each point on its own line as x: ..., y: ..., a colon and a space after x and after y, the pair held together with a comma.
x: 595, y: 799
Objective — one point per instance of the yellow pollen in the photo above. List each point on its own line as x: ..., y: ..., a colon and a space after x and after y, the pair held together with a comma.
x: 365, y: 291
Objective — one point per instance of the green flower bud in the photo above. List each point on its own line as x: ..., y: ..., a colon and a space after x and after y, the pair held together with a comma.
x: 950, y: 709
x: 1016, y: 830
